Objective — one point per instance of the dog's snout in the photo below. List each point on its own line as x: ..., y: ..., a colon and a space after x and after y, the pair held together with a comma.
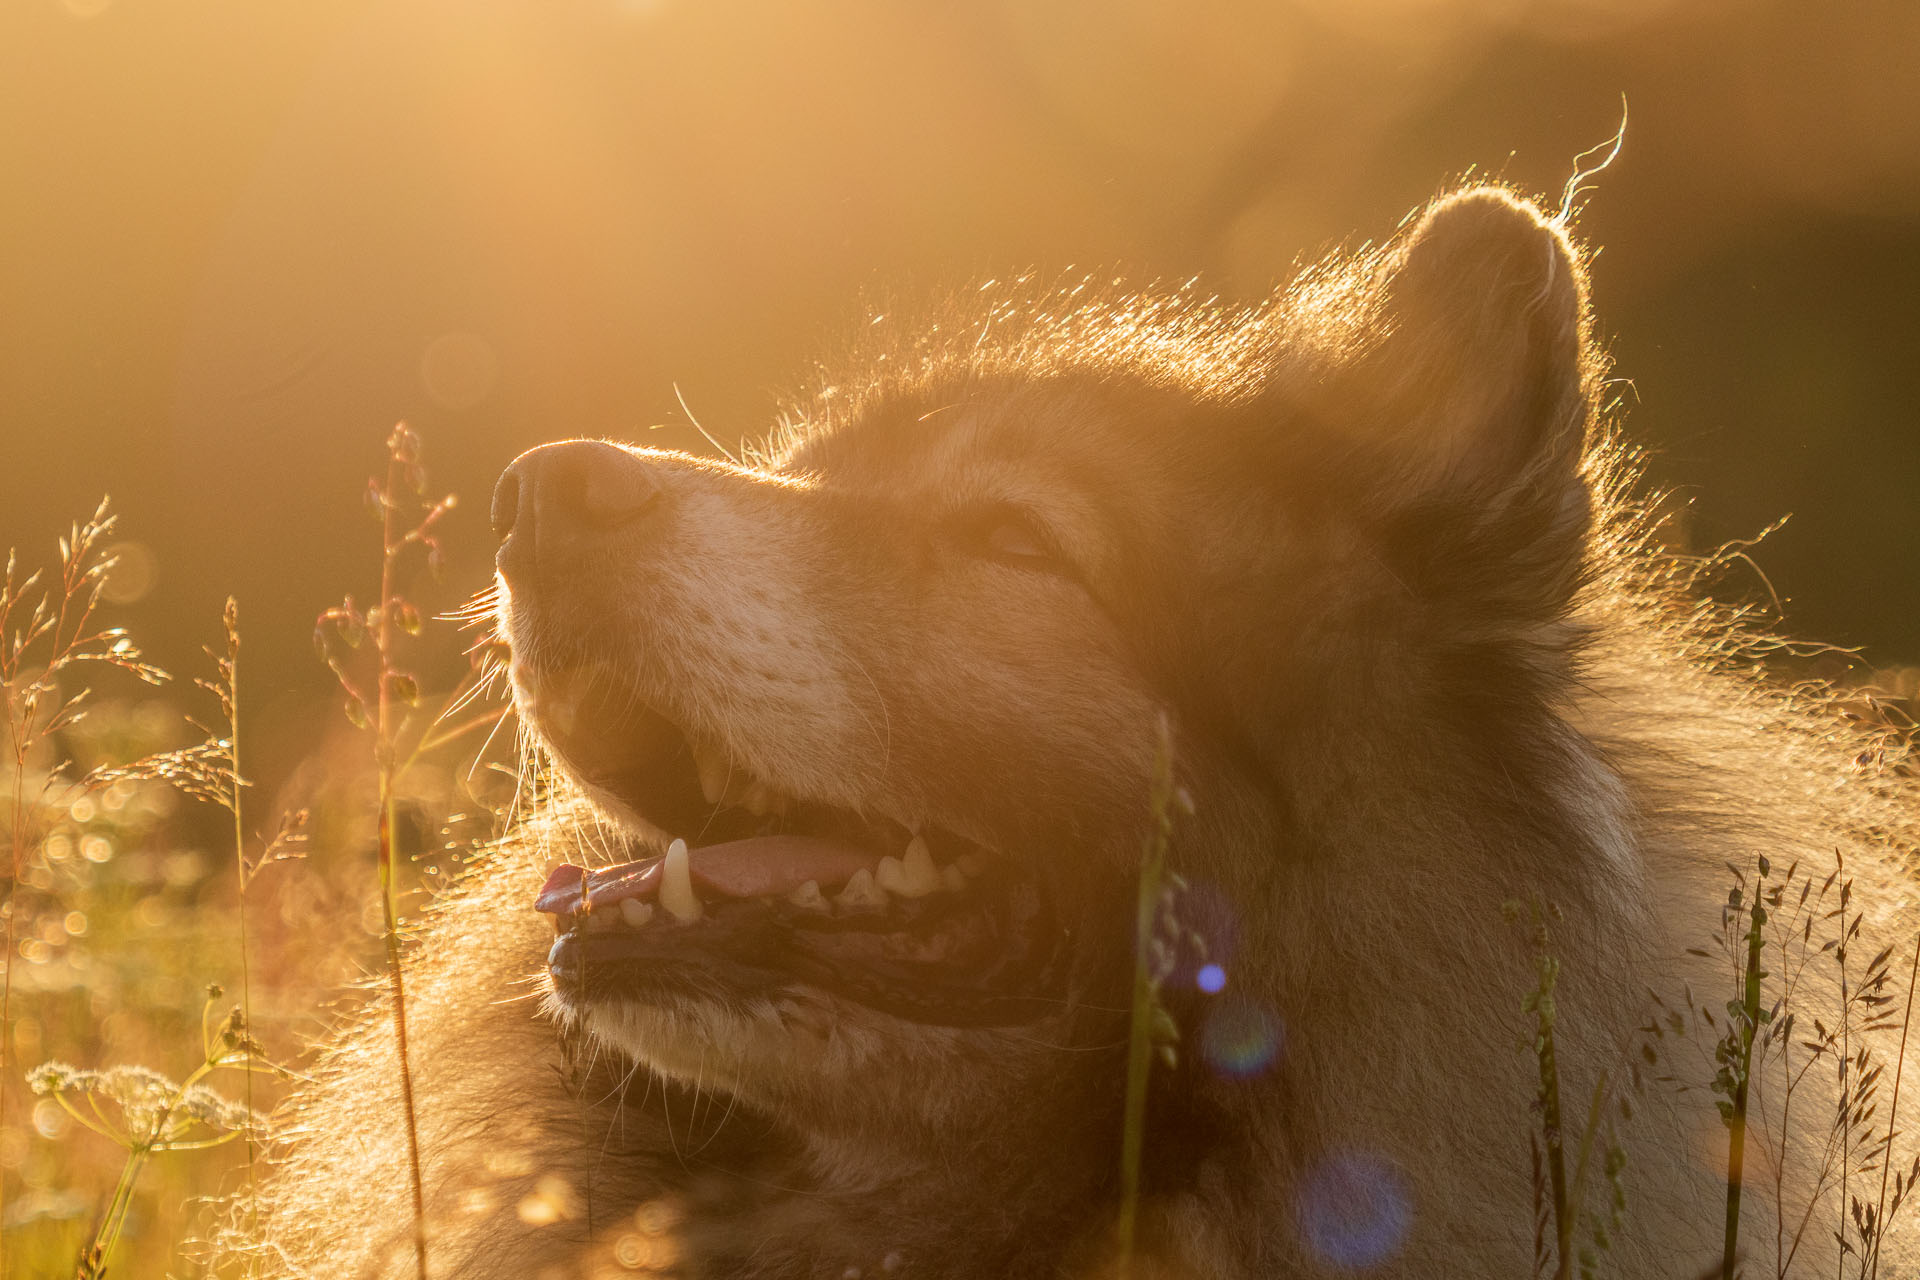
x: 506, y: 503
x: 556, y: 499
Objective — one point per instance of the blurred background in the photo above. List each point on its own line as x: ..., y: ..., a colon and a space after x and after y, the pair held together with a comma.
x: 239, y: 241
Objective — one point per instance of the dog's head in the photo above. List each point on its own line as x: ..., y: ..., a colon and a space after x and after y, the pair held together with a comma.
x: 897, y: 691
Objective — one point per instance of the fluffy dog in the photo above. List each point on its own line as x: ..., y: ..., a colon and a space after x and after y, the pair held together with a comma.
x: 834, y: 950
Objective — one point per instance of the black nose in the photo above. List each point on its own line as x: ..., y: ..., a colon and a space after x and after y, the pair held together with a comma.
x: 558, y: 499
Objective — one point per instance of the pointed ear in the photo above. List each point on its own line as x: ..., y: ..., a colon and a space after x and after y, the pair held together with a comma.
x: 1472, y: 406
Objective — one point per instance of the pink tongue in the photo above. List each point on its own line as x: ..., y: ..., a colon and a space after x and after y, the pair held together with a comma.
x: 759, y: 867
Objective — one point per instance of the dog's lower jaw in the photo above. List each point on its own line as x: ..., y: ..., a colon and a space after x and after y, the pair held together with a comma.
x: 812, y: 1168
x: 952, y: 1211
x: 845, y: 1076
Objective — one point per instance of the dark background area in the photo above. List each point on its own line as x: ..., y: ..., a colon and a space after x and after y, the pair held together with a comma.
x: 238, y: 240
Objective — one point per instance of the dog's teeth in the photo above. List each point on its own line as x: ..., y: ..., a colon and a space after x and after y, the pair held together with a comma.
x: 635, y: 912
x: 919, y: 877
x: 861, y: 893
x: 676, y: 885
x: 890, y: 876
x: 602, y: 921
x: 952, y: 879
x: 808, y: 897
x: 713, y: 773
x: 912, y: 875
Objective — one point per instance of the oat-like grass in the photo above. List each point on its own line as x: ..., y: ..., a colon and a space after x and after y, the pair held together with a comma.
x: 365, y: 650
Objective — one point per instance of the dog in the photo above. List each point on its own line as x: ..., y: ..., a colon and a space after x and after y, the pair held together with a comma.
x: 825, y: 957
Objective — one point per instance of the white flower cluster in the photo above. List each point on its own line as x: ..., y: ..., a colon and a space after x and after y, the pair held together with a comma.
x: 153, y: 1109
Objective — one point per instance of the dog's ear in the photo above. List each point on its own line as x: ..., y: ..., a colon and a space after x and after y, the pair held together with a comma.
x: 1471, y: 407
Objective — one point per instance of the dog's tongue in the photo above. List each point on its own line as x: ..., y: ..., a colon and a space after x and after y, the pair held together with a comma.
x: 761, y: 866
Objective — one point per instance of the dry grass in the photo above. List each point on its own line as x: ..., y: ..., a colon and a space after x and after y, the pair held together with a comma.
x: 129, y: 922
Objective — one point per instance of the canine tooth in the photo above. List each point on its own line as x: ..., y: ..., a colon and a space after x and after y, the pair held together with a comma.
x: 602, y: 921
x: 922, y: 876
x: 861, y: 893
x: 676, y: 885
x: 635, y: 912
x: 952, y: 879
x: 808, y: 897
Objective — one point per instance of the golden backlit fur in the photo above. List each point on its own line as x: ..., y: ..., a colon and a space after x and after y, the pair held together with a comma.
x: 1369, y: 552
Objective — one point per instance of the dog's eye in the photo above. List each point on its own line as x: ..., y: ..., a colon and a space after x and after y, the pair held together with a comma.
x: 1016, y: 540
x: 1013, y: 537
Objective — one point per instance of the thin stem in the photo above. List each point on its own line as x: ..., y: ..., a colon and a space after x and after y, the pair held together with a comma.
x: 17, y: 828
x: 384, y: 746
x: 1145, y: 991
x: 98, y: 1126
x: 1899, y: 1070
x: 1737, y: 1125
x: 1577, y: 1193
x: 1550, y: 1119
x: 93, y: 1263
x: 1786, y: 1134
x: 1846, y: 1054
x: 235, y: 787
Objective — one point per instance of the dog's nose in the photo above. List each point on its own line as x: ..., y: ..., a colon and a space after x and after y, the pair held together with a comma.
x: 554, y: 500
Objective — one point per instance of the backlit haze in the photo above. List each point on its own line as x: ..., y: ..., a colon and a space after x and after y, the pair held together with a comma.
x: 239, y: 240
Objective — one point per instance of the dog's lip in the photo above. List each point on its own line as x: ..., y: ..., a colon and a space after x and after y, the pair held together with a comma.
x: 656, y: 781
x: 981, y: 946
x: 992, y: 956
x: 759, y: 866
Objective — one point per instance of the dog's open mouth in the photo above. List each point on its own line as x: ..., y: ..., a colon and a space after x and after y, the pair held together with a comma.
x: 759, y: 891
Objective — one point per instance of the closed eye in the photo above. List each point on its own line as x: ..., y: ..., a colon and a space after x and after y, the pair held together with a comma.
x: 1013, y: 537
x: 1015, y: 540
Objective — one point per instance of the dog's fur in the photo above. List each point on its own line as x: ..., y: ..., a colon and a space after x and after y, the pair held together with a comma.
x: 1370, y: 554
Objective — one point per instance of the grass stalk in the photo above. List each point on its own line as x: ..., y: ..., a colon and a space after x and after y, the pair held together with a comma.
x: 1144, y: 1015
x: 394, y: 541
x: 407, y: 520
x: 1540, y: 1003
x: 1742, y: 1054
x: 229, y: 694
x: 39, y: 642
x: 1893, y: 1114
x: 1846, y: 1048
x: 17, y: 840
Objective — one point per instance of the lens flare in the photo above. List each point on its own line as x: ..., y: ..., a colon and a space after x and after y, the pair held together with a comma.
x: 1241, y: 1039
x: 1354, y: 1210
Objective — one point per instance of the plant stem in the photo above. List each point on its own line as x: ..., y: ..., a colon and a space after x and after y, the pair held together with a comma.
x: 1550, y: 1119
x: 93, y: 1262
x: 392, y: 542
x: 1153, y: 865
x: 1737, y: 1124
x: 1899, y: 1069
x: 93, y: 1259
x: 235, y: 783
x: 1846, y: 1053
x: 17, y: 828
